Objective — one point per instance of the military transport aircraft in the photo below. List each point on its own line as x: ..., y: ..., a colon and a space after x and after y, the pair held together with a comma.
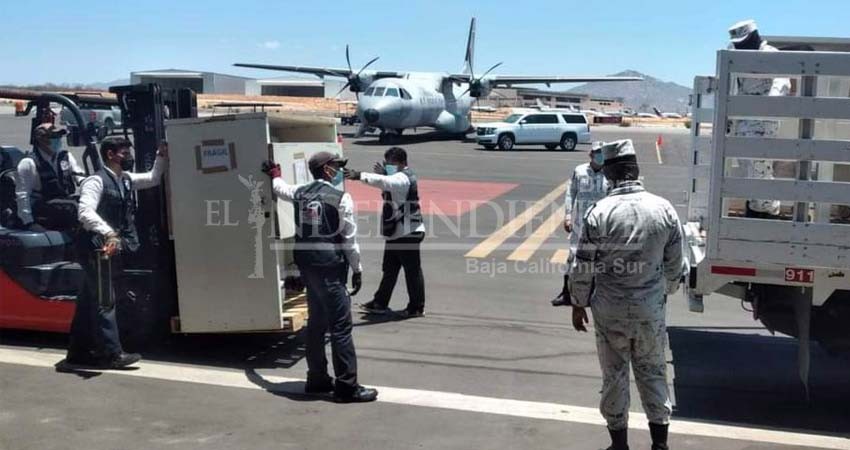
x: 395, y: 101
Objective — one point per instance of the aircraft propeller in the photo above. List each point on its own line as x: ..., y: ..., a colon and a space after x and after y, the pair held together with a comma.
x: 476, y: 85
x: 354, y: 81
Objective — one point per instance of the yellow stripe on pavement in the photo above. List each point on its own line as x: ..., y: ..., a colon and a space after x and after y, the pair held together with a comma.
x: 530, y: 245
x: 502, y: 234
x: 561, y: 256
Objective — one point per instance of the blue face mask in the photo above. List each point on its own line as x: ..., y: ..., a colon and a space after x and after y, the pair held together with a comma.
x: 56, y: 144
x: 391, y: 169
x: 337, y: 179
x: 598, y: 159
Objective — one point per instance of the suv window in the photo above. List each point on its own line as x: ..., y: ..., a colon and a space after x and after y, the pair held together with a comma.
x: 574, y: 118
x: 541, y: 119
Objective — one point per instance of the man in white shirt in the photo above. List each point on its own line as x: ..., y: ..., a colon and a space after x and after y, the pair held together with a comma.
x: 325, y: 247
x: 403, y: 229
x: 107, y: 215
x: 47, y: 180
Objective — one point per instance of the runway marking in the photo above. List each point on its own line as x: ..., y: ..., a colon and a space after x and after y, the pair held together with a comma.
x: 561, y: 256
x: 658, y: 153
x: 439, y: 400
x: 538, y: 237
x: 501, y: 235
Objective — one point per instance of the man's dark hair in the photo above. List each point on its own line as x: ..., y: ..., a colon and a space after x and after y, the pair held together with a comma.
x: 623, y: 171
x: 113, y: 144
x: 396, y: 154
x: 318, y: 172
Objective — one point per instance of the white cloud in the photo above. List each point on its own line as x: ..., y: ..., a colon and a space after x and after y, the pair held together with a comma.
x: 270, y: 45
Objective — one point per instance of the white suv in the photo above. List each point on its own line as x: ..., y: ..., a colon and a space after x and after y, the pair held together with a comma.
x: 549, y: 128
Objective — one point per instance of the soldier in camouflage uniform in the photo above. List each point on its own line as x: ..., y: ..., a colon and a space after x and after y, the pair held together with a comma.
x: 629, y: 259
x: 745, y: 36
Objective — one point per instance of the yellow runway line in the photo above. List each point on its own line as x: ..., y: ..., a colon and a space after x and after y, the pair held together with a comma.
x: 530, y: 245
x: 502, y: 234
x: 560, y: 256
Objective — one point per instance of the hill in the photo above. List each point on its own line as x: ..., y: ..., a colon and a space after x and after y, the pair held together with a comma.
x: 641, y: 96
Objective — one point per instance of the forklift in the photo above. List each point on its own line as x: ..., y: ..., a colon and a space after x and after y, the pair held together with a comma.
x: 39, y: 278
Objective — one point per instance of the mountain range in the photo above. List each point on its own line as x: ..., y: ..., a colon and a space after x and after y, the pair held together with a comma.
x: 641, y: 96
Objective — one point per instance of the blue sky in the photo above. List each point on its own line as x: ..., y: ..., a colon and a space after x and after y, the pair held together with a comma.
x: 98, y: 41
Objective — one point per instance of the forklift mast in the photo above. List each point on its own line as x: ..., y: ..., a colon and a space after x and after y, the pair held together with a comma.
x: 151, y: 274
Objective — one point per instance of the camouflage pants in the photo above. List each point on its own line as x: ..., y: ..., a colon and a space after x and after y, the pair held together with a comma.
x: 641, y: 343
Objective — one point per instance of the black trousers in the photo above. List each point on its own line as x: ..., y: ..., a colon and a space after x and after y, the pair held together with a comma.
x: 329, y: 310
x: 403, y: 253
x: 94, y: 329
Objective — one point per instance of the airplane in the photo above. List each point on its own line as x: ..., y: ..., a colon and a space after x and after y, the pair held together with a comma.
x: 394, y: 101
x: 666, y: 115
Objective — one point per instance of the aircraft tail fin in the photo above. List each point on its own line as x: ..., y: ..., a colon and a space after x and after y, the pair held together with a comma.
x: 657, y: 112
x: 470, y: 49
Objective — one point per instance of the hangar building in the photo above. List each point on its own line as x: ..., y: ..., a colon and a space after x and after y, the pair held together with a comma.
x: 200, y: 82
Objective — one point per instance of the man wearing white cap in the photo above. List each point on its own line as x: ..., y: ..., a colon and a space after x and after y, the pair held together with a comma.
x: 745, y: 36
x: 629, y: 259
x: 587, y: 185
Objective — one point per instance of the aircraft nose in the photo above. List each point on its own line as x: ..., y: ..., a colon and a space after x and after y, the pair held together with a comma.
x: 371, y: 115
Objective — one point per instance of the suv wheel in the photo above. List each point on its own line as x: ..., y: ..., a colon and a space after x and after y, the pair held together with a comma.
x: 506, y: 142
x: 568, y: 142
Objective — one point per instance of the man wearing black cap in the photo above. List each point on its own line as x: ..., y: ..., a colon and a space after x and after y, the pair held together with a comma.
x: 107, y: 216
x: 325, y: 246
x: 47, y: 180
x: 629, y: 258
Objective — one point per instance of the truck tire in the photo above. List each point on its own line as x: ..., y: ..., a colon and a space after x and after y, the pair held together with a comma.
x: 506, y: 142
x: 569, y: 142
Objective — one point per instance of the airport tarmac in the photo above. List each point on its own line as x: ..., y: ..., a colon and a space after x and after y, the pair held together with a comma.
x: 492, y: 365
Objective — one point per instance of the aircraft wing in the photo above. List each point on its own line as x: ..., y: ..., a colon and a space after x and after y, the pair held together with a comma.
x: 322, y: 71
x: 509, y: 80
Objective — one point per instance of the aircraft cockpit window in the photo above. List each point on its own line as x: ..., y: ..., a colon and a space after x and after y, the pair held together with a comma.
x: 369, y: 92
x: 404, y: 94
x: 379, y: 92
x: 392, y: 92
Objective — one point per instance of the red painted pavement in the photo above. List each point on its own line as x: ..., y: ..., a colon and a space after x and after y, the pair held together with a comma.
x: 451, y: 198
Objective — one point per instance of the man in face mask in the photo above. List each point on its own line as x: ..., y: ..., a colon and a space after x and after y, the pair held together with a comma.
x: 745, y: 36
x: 325, y: 247
x: 107, y: 216
x: 587, y: 186
x: 47, y: 182
x: 403, y: 229
x: 629, y: 258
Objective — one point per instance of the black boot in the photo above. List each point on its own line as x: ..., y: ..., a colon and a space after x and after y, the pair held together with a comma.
x: 659, y: 436
x: 619, y: 439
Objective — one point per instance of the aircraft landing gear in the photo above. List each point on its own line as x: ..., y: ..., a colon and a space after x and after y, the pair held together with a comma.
x: 390, y: 137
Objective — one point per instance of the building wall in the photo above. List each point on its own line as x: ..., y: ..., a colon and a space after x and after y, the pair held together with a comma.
x: 225, y: 84
x: 196, y: 84
x: 288, y: 90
